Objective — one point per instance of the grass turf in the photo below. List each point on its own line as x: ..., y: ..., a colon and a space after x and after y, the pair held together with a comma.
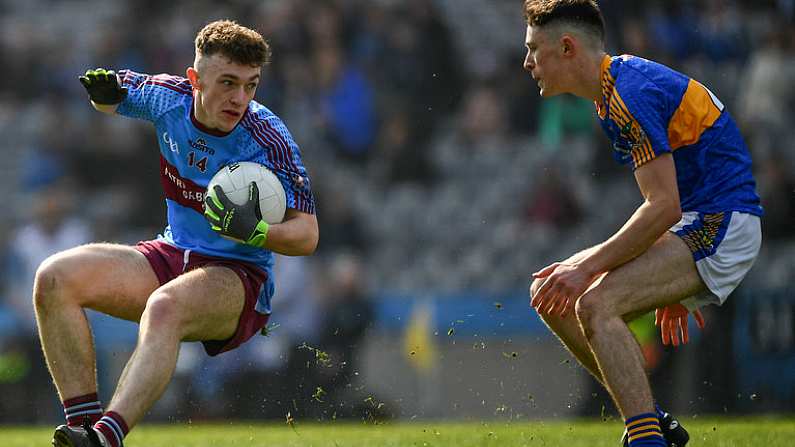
x: 707, y: 432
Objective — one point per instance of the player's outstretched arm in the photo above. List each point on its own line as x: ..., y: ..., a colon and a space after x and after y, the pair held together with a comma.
x: 104, y: 89
x: 296, y: 235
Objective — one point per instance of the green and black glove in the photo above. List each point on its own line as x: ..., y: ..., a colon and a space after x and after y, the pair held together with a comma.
x: 103, y: 86
x: 242, y: 223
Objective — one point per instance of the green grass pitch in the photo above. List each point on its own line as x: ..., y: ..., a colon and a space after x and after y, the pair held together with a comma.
x: 706, y: 432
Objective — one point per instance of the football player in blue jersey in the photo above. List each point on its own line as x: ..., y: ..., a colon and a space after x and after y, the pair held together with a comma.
x: 199, y: 281
x: 691, y: 241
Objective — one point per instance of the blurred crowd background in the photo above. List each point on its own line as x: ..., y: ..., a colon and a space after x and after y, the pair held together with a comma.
x: 437, y: 169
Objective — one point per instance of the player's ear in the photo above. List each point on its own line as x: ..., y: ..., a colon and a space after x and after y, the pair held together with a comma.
x: 193, y: 77
x: 567, y: 45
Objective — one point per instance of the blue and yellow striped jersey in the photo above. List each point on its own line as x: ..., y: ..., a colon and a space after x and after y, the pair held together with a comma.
x: 648, y: 109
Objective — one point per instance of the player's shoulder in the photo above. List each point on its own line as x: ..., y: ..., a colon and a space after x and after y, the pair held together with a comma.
x: 265, y: 127
x: 166, y: 81
x: 636, y: 70
x: 171, y: 82
x: 258, y: 113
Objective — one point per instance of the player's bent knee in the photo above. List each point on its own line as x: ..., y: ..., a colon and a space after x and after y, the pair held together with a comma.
x: 163, y: 312
x: 589, y: 309
x: 51, y: 284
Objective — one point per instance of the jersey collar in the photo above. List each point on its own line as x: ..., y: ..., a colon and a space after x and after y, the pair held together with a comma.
x: 608, y: 84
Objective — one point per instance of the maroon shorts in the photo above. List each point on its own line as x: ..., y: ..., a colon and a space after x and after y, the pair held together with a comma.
x: 168, y: 262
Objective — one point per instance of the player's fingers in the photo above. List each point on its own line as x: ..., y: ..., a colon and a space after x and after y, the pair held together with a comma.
x: 683, y: 327
x: 84, y: 80
x: 211, y: 203
x: 536, y: 301
x: 253, y: 192
x: 212, y: 216
x: 543, y: 307
x: 220, y: 198
x: 546, y: 271
x: 658, y: 313
x: 550, y: 303
x: 541, y: 293
x: 699, y: 319
x: 568, y: 308
x: 675, y: 324
x: 559, y: 307
x: 555, y: 306
x: 666, y: 336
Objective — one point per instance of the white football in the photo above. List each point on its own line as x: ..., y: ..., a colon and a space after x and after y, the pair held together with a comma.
x: 235, y: 178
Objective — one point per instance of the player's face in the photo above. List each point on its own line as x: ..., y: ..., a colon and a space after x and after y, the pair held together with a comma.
x: 224, y: 91
x: 543, y: 61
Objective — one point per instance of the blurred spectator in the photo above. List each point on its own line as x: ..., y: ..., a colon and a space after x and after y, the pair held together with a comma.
x: 420, y: 62
x: 479, y: 138
x: 564, y: 116
x: 55, y: 224
x: 554, y: 203
x: 345, y: 102
x: 722, y: 34
x: 402, y: 156
x: 777, y: 191
x: 348, y: 313
x: 767, y: 102
x: 340, y: 225
x: 674, y: 31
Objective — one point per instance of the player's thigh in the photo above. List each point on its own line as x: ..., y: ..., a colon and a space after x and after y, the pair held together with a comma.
x: 665, y: 274
x: 110, y: 278
x: 208, y: 300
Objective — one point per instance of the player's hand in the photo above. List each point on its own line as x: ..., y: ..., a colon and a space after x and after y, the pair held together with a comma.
x: 243, y: 223
x: 103, y: 86
x: 672, y: 321
x: 564, y: 283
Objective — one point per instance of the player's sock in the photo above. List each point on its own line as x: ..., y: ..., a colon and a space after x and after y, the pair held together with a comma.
x: 643, y: 430
x: 113, y: 428
x: 78, y: 408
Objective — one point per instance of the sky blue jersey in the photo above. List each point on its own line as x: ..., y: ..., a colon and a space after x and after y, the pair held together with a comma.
x: 648, y: 109
x: 190, y: 154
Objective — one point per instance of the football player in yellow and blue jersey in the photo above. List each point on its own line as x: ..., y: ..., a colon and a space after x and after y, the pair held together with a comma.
x: 691, y: 241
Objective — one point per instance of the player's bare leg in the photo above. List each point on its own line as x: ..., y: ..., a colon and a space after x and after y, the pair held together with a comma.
x: 204, y: 304
x: 570, y: 333
x: 113, y: 279
x: 568, y: 330
x: 663, y: 275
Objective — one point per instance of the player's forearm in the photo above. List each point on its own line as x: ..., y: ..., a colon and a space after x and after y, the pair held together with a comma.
x: 293, y: 237
x: 105, y: 108
x: 644, y: 227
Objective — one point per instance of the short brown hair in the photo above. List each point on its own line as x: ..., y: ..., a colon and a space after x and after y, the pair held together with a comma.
x: 584, y: 13
x: 241, y: 45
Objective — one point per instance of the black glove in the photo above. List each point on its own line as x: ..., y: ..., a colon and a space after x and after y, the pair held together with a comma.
x: 242, y: 223
x: 103, y: 86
